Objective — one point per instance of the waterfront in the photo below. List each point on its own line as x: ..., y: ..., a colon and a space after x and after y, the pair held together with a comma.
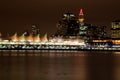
x: 59, y: 65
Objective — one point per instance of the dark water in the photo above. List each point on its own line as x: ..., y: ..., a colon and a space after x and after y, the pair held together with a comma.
x: 59, y: 65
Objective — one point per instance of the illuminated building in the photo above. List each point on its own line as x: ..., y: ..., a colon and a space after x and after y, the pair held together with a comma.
x: 97, y: 32
x: 37, y: 38
x: 89, y: 31
x: 68, y: 26
x: 72, y: 33
x: 35, y: 30
x: 22, y: 38
x: 30, y: 38
x: 44, y: 39
x: 81, y: 17
x: 61, y: 29
x: 68, y: 17
x: 71, y: 27
x: 14, y: 38
x: 83, y: 28
x: 115, y: 30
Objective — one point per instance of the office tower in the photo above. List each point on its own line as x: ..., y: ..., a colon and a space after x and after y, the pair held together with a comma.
x: 81, y: 17
x: 115, y: 29
x: 68, y: 26
x: 83, y: 27
x: 35, y: 30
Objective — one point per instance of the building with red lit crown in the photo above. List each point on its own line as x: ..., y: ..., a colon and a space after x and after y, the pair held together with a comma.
x: 72, y: 27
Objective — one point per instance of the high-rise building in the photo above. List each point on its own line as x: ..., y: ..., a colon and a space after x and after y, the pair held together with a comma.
x: 70, y: 22
x: 97, y: 32
x: 35, y: 30
x: 83, y: 28
x: 81, y: 17
x: 115, y: 29
x: 89, y: 31
x: 68, y: 17
x: 61, y: 29
x: 68, y: 26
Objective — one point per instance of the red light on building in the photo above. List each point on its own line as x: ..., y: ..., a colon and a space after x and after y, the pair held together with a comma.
x: 81, y: 12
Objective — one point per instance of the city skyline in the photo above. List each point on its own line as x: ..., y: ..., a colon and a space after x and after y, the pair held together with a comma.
x: 17, y: 16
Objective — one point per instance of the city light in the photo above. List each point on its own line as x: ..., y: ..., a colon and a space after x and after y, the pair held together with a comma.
x: 72, y: 33
x: 37, y: 42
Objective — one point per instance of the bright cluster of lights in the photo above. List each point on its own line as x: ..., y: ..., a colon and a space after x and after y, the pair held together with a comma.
x: 39, y: 41
x: 60, y: 41
x: 29, y: 38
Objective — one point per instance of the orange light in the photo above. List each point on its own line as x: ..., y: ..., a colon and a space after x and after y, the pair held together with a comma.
x: 30, y: 38
x: 81, y: 20
x: 36, y: 39
x: 14, y: 38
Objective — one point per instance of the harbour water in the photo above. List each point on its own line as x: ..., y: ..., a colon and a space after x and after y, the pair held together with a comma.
x: 59, y: 65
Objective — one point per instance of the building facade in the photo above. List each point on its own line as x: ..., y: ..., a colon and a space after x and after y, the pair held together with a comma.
x: 35, y: 30
x: 115, y: 29
x: 68, y: 26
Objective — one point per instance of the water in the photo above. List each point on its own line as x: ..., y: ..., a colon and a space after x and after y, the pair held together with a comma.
x: 59, y: 65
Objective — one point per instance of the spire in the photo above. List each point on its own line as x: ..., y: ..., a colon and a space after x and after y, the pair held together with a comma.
x: 81, y: 16
x: 81, y: 12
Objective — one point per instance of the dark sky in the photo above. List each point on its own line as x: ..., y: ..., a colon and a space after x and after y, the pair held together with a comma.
x: 19, y: 15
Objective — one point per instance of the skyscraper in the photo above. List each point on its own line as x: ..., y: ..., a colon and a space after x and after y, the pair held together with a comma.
x: 68, y: 26
x: 35, y: 30
x: 81, y: 17
x: 115, y: 29
x: 68, y: 17
x: 83, y: 28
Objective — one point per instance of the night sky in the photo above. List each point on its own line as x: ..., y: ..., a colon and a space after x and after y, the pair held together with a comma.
x: 19, y: 15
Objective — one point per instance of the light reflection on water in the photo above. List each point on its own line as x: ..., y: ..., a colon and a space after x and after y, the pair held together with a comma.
x: 42, y: 53
x: 55, y: 53
x: 59, y: 65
